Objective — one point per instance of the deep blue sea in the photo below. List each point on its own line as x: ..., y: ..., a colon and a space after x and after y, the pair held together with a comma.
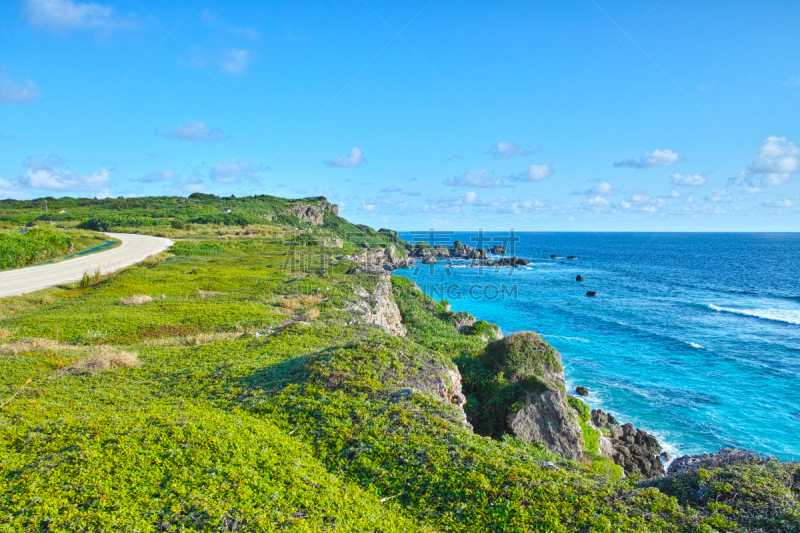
x: 694, y: 337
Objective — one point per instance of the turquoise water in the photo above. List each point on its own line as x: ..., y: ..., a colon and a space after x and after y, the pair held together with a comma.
x: 693, y: 337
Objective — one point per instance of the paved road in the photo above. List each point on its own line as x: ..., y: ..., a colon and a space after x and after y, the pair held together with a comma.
x: 133, y: 249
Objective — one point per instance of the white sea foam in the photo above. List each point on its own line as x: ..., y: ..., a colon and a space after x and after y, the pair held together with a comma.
x: 778, y: 315
x: 695, y: 345
x: 566, y: 338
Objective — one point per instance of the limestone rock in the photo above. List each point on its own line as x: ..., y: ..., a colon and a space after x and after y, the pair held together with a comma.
x: 544, y: 418
x: 507, y: 261
x: 312, y: 214
x: 636, y: 451
x: 497, y: 250
x: 383, y: 310
x: 462, y: 321
x: 465, y: 251
x: 689, y: 464
x: 582, y: 391
x: 579, y: 278
x: 528, y: 360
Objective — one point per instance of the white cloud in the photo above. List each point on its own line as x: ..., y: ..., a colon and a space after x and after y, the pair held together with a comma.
x: 674, y: 194
x: 161, y: 175
x: 194, y: 130
x: 503, y: 149
x: 236, y: 61
x: 475, y: 178
x: 778, y: 203
x: 390, y: 189
x: 354, y: 159
x: 603, y: 188
x: 470, y: 197
x: 513, y: 206
x: 448, y: 204
x: 774, y: 162
x: 690, y: 180
x: 535, y: 173
x: 719, y: 196
x: 643, y: 203
x: 656, y: 158
x: 597, y: 201
x: 55, y: 174
x: 775, y: 159
x: 367, y: 207
x: 61, y: 16
x: 13, y: 93
x: 232, y: 170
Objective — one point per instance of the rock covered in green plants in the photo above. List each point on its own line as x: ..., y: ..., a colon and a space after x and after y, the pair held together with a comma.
x: 540, y: 412
x: 486, y: 331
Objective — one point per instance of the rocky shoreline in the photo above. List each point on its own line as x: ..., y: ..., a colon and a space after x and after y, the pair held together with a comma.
x: 544, y: 413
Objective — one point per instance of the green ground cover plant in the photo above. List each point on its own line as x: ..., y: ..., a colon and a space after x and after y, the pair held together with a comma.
x: 23, y: 247
x: 247, y: 395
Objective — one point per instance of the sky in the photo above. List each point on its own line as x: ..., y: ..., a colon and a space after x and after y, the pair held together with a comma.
x: 540, y: 116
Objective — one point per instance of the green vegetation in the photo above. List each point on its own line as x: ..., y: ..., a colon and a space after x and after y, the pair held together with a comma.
x: 228, y: 386
x: 591, y: 436
x: 171, y: 216
x: 20, y: 248
x: 748, y: 493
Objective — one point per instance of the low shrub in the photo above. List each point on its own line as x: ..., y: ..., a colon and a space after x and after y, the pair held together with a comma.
x: 102, y: 359
x: 137, y: 299
x: 291, y: 304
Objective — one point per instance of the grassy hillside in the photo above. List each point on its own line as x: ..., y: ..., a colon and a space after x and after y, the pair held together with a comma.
x: 175, y: 216
x: 228, y: 385
x: 23, y: 247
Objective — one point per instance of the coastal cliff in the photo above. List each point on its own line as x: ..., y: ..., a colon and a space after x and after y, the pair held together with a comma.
x: 268, y: 375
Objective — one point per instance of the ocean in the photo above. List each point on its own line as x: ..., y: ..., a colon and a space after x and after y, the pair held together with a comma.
x: 694, y: 337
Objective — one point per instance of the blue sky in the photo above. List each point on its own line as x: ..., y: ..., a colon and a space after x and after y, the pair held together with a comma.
x: 584, y: 115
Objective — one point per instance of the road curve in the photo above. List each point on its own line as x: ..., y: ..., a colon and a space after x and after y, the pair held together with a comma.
x: 133, y: 249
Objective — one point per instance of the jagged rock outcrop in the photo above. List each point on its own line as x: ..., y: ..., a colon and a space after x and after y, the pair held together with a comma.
x: 442, y: 251
x: 389, y: 258
x: 332, y: 241
x: 429, y: 260
x: 506, y: 261
x: 462, y: 320
x: 578, y: 278
x: 497, y: 250
x: 379, y: 308
x: 689, y: 464
x: 541, y: 412
x: 444, y: 384
x: 582, y: 391
x: 465, y: 251
x: 313, y: 214
x: 636, y: 451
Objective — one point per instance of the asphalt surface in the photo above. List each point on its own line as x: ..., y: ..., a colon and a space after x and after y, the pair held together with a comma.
x: 133, y: 249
